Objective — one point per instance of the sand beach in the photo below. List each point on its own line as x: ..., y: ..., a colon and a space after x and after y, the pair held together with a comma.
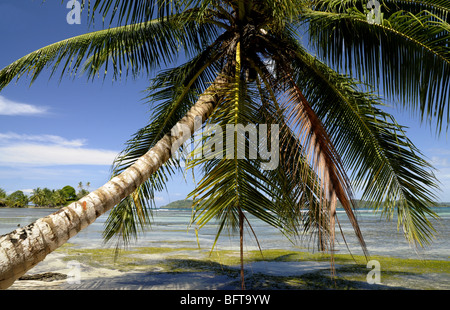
x: 72, y: 268
x: 170, y: 257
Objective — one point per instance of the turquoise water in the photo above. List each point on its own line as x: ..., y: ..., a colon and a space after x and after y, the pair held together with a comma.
x: 170, y: 229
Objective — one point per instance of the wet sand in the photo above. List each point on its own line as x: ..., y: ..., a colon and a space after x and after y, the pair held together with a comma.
x: 187, y: 270
x: 86, y: 277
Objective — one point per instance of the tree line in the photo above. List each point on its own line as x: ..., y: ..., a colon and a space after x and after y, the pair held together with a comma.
x: 44, y: 197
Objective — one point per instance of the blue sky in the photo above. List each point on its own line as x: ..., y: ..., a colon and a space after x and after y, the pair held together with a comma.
x: 55, y: 133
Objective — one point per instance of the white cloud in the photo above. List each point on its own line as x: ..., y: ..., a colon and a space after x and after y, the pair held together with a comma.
x: 11, y: 136
x: 159, y: 199
x: 27, y: 191
x: 49, y: 150
x: 439, y: 161
x: 50, y: 155
x: 12, y: 108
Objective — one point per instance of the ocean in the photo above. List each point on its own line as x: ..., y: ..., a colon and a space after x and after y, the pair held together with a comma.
x: 170, y: 228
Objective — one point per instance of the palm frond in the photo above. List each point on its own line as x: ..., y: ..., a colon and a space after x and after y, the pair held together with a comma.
x: 440, y: 8
x: 132, y: 215
x: 321, y: 155
x: 175, y: 88
x: 415, y: 6
x: 299, y: 199
x: 232, y: 184
x: 385, y: 165
x: 314, y: 154
x: 132, y: 12
x: 135, y: 49
x: 407, y: 54
x: 173, y: 91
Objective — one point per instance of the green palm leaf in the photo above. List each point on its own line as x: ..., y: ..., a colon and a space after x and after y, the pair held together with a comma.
x: 334, y: 136
x: 416, y: 73
x: 131, y: 12
x: 137, y: 48
x: 231, y: 184
x: 384, y: 163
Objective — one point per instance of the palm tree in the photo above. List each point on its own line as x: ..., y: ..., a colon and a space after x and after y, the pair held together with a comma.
x: 2, y: 196
x: 18, y: 199
x: 248, y: 64
x: 58, y: 198
x: 69, y: 193
x: 38, y: 197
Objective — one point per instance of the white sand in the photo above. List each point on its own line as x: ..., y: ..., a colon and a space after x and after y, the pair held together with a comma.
x: 84, y: 277
x: 151, y: 276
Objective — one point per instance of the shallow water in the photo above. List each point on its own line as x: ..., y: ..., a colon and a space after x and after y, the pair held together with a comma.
x: 383, y: 238
x: 171, y: 229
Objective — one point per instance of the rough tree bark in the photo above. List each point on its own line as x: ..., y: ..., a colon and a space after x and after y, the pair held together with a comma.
x: 25, y: 247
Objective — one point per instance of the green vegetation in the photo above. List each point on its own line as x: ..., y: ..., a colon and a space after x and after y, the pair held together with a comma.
x: 179, y: 204
x: 2, y: 197
x: 43, y: 197
x: 69, y: 192
x: 16, y: 200
x: 321, y: 71
x: 187, y: 204
x: 351, y: 271
x: 364, y: 204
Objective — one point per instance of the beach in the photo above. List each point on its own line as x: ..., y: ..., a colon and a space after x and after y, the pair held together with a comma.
x: 191, y: 269
x: 170, y: 256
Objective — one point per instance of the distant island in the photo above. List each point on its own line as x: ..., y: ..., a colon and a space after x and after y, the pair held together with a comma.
x: 187, y: 204
x: 179, y: 204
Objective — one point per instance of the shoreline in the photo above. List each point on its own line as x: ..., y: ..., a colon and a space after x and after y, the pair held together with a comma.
x: 33, y: 207
x: 193, y: 269
x: 362, y: 205
x: 169, y: 260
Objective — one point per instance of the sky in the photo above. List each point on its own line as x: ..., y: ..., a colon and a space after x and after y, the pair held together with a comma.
x: 57, y: 133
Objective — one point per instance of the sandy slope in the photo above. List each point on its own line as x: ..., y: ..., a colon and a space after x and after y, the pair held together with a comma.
x: 82, y: 276
x: 151, y: 275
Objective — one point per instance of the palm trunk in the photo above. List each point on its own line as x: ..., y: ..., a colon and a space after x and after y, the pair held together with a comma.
x: 25, y: 247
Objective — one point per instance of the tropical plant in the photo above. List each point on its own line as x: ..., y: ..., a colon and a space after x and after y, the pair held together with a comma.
x: 18, y: 199
x: 69, y: 193
x: 252, y: 63
x: 38, y: 197
x: 83, y: 191
x: 58, y: 198
x: 45, y: 197
x: 2, y: 197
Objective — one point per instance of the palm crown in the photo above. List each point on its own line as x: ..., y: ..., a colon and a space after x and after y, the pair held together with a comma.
x: 258, y: 60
